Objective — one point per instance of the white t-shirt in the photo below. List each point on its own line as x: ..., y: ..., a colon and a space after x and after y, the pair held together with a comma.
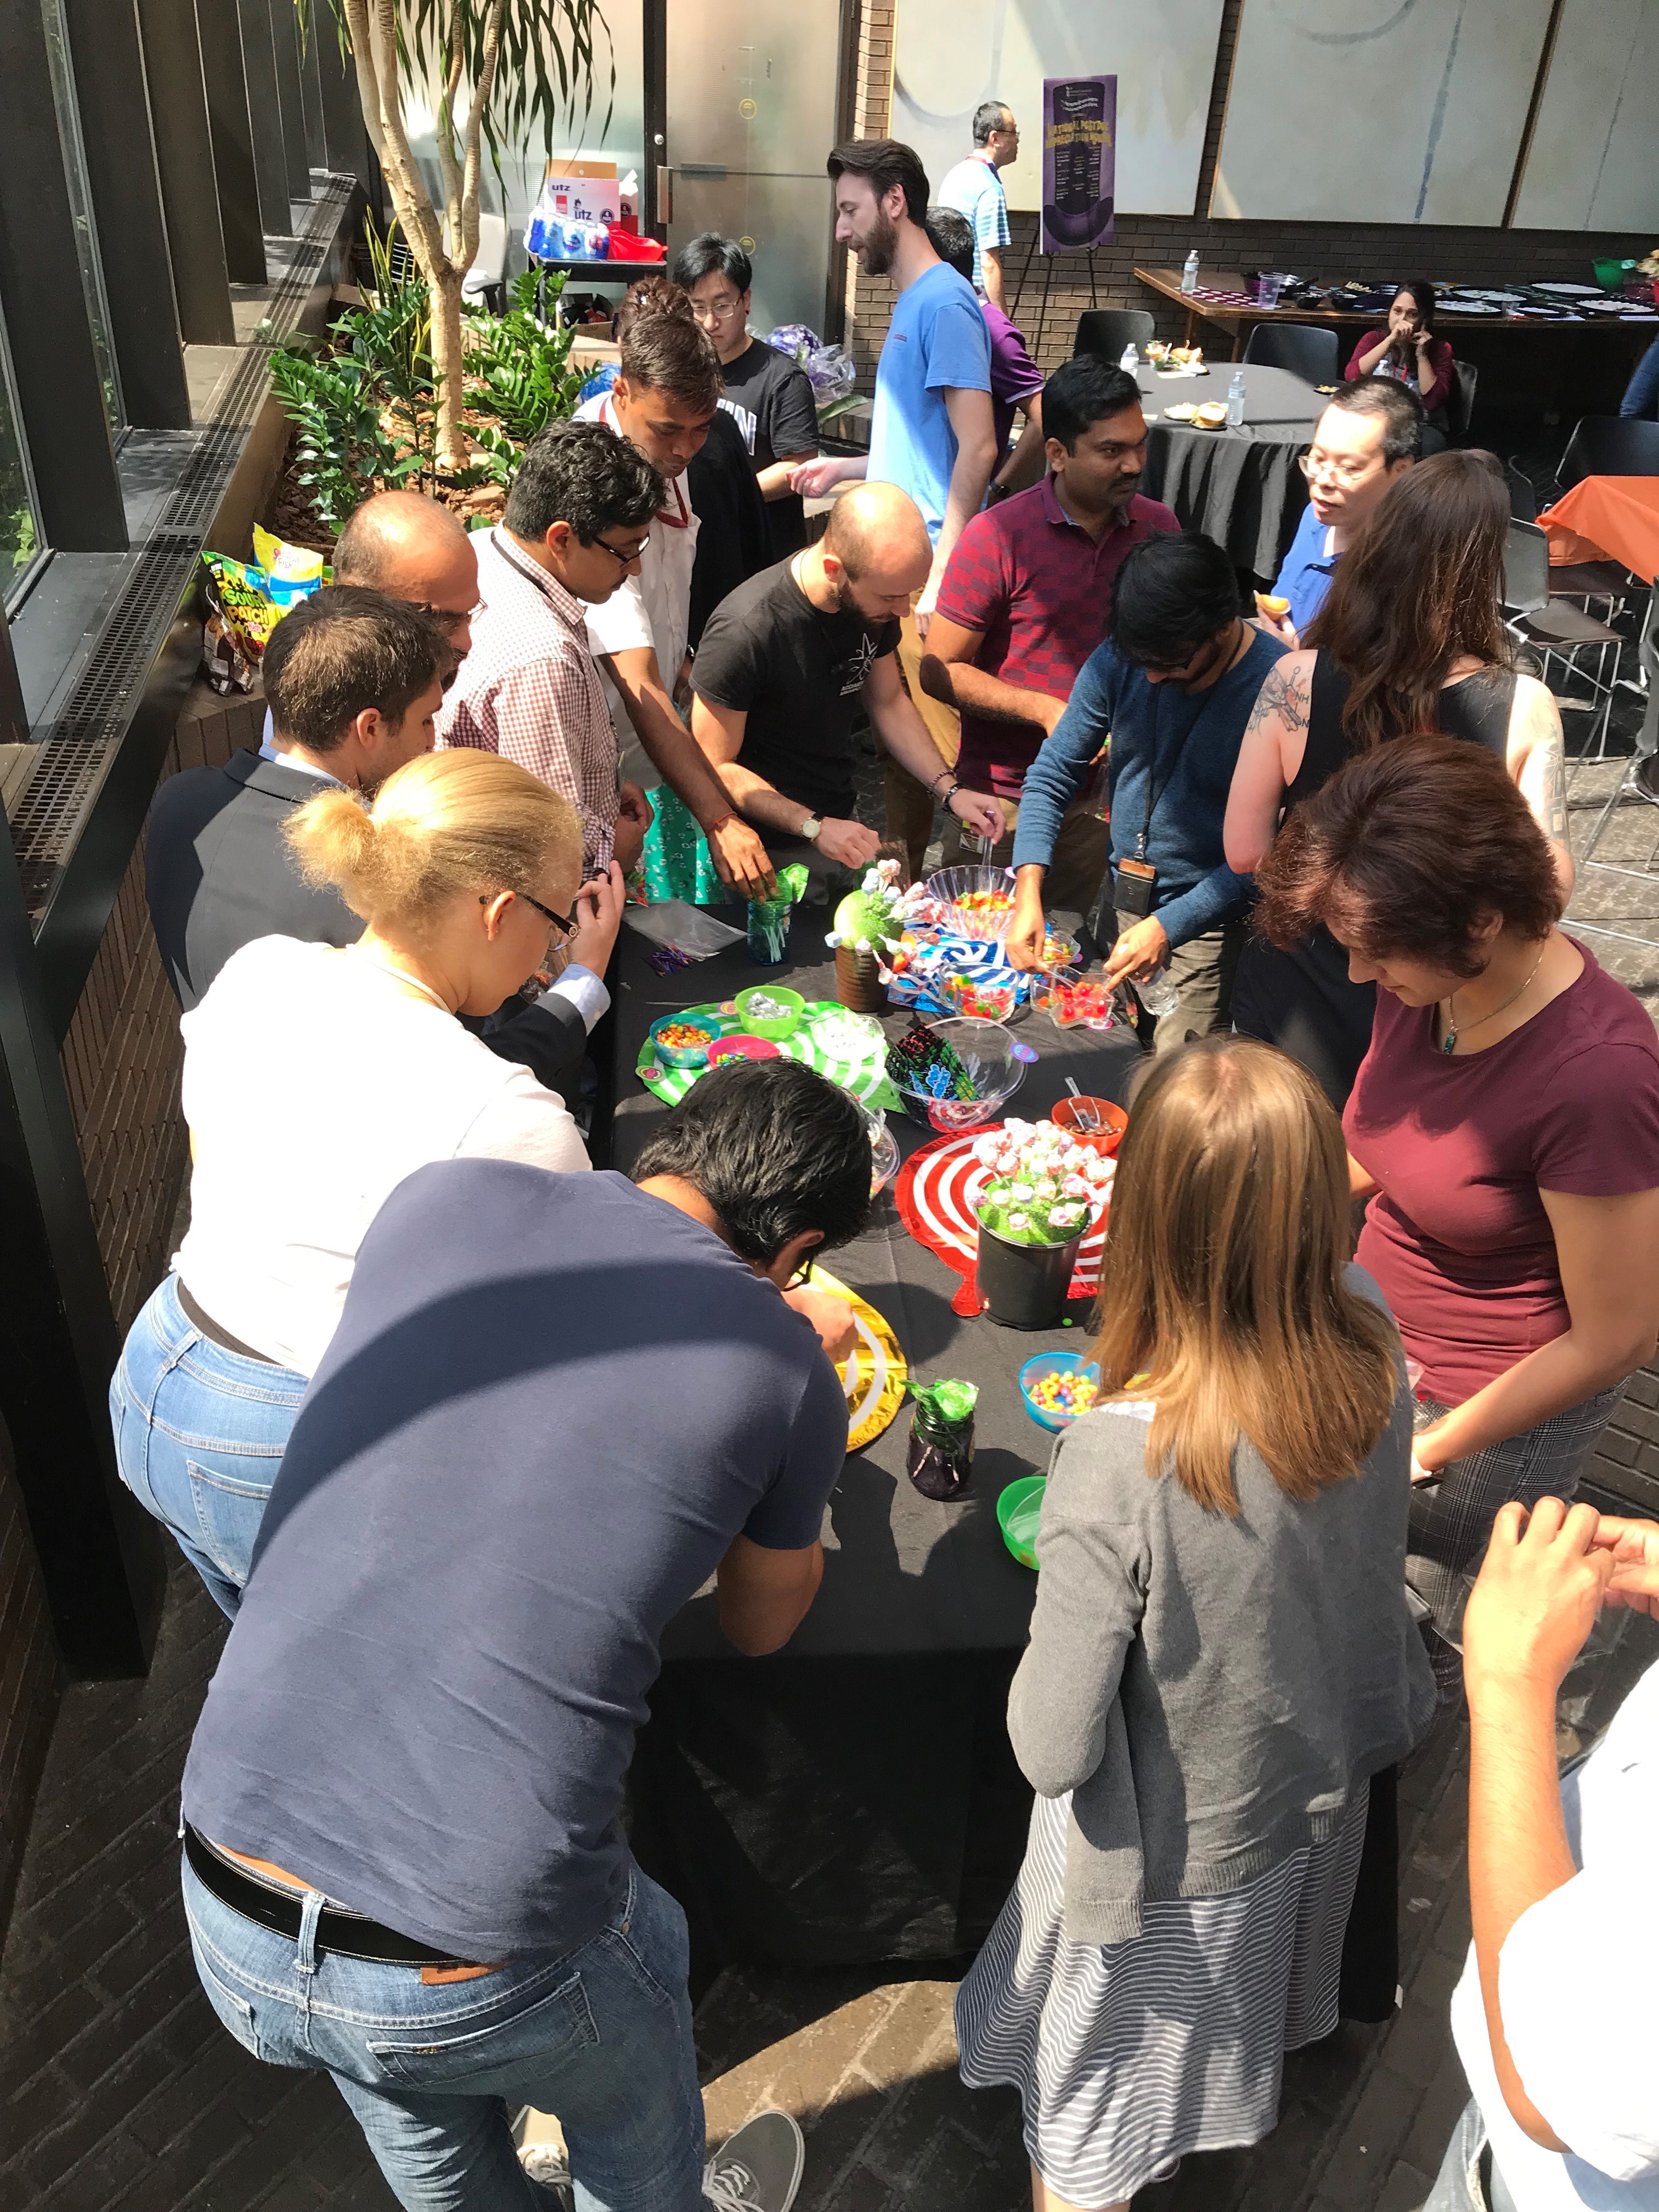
x: 654, y: 608
x: 314, y: 1082
x: 1578, y: 1985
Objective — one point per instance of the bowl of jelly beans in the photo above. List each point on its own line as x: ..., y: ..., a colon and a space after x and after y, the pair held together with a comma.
x: 1058, y: 1386
x: 679, y: 1042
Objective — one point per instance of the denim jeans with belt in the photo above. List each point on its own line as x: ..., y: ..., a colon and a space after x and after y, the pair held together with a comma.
x: 199, y: 1435
x: 601, y: 2038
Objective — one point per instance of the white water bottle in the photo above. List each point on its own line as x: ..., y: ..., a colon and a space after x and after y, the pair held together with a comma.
x: 1235, y: 400
x: 1129, y: 358
x: 1189, y: 273
x: 1156, y: 992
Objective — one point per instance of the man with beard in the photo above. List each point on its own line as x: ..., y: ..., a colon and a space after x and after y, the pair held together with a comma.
x: 931, y: 433
x: 785, y: 659
x: 1027, y: 597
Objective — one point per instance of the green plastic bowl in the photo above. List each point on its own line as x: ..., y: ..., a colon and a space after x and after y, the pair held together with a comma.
x: 776, y: 1026
x: 1017, y: 1511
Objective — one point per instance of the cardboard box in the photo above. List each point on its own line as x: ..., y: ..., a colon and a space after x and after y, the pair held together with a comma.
x: 581, y: 199
x: 567, y: 165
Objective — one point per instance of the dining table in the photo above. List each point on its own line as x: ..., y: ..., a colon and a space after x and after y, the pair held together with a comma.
x: 854, y: 1796
x: 1241, y: 484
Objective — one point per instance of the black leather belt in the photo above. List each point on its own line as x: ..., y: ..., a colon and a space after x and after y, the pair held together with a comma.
x: 270, y: 1905
x: 210, y: 1328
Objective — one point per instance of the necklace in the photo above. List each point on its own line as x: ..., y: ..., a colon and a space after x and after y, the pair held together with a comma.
x: 1449, y: 1040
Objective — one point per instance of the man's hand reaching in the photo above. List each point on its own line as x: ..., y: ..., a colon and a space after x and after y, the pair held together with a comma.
x: 740, y: 855
x: 832, y: 1317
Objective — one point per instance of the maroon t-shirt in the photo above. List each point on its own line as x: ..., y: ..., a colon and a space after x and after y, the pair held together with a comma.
x: 1039, y: 588
x: 1457, y: 1237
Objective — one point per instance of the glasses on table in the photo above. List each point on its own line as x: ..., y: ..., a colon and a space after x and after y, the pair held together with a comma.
x: 1345, y: 474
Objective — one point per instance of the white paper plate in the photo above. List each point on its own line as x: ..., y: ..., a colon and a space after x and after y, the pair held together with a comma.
x: 1571, y: 291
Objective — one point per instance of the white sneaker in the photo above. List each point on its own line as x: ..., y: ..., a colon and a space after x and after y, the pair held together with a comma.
x: 545, y: 2163
x: 759, y: 2168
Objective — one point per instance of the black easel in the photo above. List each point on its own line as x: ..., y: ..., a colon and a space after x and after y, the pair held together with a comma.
x: 1035, y: 347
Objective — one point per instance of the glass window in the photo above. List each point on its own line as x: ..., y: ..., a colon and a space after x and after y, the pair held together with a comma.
x: 86, y: 229
x: 19, y: 517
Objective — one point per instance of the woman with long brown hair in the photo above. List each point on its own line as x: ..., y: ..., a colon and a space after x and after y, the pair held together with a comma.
x: 1505, y: 1125
x: 1221, y: 1656
x: 1410, y: 639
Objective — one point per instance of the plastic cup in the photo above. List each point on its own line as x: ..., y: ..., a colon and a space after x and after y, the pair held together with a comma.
x: 1272, y: 285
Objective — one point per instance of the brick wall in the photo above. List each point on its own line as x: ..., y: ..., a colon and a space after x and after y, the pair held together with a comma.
x: 29, y: 1677
x: 1562, y: 370
x: 123, y: 1054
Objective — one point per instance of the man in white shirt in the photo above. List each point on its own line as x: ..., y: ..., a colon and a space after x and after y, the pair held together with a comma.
x: 1556, y: 2018
x: 975, y: 189
x: 664, y: 399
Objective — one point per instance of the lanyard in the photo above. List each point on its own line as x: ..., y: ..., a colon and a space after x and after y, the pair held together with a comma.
x: 1155, y: 790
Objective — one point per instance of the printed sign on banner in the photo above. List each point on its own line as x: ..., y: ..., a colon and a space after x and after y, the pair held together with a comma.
x: 1079, y: 161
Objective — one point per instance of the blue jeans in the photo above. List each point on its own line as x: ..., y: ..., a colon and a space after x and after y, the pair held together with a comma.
x: 1458, y: 2186
x: 199, y: 1435
x: 601, y: 2038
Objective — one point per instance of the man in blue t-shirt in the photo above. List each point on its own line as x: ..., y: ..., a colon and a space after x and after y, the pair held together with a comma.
x: 1172, y: 688
x: 1362, y: 444
x: 932, y: 432
x: 974, y: 188
x: 556, y: 1406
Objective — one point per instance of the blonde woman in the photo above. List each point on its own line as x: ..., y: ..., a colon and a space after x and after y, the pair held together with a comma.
x: 315, y: 1079
x: 1221, y: 1656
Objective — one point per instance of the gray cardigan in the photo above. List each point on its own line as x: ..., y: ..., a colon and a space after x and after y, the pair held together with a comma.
x: 1211, y: 1688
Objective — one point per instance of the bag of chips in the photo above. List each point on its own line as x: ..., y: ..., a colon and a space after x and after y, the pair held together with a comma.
x: 246, y: 601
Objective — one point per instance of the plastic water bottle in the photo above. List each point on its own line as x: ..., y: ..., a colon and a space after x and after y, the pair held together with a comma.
x: 1129, y: 358
x: 1235, y: 400
x: 1189, y: 272
x: 1156, y: 992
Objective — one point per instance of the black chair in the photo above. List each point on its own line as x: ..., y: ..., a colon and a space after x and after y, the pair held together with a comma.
x: 1609, y: 446
x: 1523, y: 499
x: 1107, y: 331
x: 1301, y: 347
x: 1558, y: 630
x: 1460, y: 400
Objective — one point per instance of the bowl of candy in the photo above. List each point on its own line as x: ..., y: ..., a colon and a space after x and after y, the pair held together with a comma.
x: 979, y: 1001
x: 884, y: 1152
x: 740, y: 1046
x: 956, y: 1074
x: 1041, y: 1196
x: 766, y: 1010
x: 1019, y: 1511
x: 1072, y: 999
x: 680, y: 1043
x: 977, y: 903
x: 1058, y: 1386
x: 1095, y: 1121
x: 1058, y: 950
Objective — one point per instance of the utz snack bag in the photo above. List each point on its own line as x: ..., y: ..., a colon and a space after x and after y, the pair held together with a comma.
x: 292, y: 571
x: 246, y: 601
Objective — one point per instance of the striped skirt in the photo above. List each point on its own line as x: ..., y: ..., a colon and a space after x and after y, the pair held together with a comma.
x: 1127, y: 2056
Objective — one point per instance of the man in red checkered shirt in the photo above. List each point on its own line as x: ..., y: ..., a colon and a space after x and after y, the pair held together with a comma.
x: 1027, y: 597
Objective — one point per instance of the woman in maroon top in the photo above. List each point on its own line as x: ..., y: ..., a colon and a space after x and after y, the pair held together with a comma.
x: 1506, y: 1118
x: 1409, y: 351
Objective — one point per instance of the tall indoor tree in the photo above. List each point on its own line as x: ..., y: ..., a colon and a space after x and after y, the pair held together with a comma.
x: 519, y: 66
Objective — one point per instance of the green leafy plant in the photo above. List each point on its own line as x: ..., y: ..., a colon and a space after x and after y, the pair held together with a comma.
x: 519, y: 377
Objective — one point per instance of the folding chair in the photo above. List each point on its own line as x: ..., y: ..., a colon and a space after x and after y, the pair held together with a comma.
x: 1301, y: 348
x: 1558, y: 629
x: 1107, y: 331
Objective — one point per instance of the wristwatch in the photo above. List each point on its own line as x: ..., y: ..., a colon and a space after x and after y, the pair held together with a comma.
x: 811, y: 828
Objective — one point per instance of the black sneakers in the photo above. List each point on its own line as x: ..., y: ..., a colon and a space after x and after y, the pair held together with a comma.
x: 758, y: 2169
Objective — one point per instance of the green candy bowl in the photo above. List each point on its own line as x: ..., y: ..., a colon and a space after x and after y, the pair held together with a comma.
x: 1018, y: 1509
x: 775, y: 1026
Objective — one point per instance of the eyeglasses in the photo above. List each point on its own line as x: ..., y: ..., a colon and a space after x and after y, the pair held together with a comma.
x: 448, y: 619
x: 561, y: 922
x: 623, y: 561
x: 720, y: 311
x: 1346, y: 474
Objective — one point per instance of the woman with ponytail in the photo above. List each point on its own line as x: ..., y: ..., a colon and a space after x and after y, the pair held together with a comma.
x: 316, y: 1078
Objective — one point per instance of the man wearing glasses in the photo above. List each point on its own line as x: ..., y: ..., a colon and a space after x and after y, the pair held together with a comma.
x: 1369, y: 435
x: 767, y: 394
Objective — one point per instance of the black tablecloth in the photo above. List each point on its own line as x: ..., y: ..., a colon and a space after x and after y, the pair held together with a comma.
x: 1242, y: 487
x: 854, y: 1796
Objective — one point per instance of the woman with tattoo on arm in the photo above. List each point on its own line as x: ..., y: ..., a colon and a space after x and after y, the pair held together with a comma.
x: 1410, y: 639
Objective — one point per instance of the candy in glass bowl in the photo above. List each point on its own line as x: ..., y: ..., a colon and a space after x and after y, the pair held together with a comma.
x: 977, y: 903
x: 1069, y: 998
x: 980, y: 998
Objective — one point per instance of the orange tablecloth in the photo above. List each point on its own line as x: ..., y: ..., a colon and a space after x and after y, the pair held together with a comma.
x: 1608, y: 518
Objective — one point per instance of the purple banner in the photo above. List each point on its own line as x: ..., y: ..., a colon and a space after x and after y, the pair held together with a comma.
x: 1079, y: 161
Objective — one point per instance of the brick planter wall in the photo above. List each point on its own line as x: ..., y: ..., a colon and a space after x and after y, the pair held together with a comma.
x: 29, y: 1678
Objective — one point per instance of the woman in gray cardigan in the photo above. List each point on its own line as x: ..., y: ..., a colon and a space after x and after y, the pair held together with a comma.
x: 1221, y: 1654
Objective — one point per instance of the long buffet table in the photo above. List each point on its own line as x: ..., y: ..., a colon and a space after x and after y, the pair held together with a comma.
x: 854, y: 1796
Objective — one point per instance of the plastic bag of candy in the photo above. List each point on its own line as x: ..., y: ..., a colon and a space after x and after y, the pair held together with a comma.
x: 831, y: 369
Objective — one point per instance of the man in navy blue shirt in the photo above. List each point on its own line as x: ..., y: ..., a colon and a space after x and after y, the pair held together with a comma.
x: 1172, y: 688
x: 1365, y: 441
x: 556, y: 1406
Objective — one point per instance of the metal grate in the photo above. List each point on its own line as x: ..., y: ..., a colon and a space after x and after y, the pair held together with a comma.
x: 161, y: 573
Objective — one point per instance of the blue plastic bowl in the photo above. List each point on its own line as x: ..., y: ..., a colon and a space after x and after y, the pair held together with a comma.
x: 1053, y: 1362
x: 678, y: 1055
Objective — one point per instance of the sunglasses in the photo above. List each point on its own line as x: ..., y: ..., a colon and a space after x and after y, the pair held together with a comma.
x: 561, y: 922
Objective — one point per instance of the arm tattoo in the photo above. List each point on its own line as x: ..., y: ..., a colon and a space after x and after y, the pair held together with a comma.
x: 1281, y: 695
x: 1552, y: 773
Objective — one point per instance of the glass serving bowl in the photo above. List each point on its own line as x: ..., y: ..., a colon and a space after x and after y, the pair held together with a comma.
x: 883, y: 1151
x: 981, y: 1001
x: 952, y: 885
x: 1072, y: 999
x: 987, y: 1052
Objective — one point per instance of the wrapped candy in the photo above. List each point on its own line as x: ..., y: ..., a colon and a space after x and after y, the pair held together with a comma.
x: 1042, y: 1185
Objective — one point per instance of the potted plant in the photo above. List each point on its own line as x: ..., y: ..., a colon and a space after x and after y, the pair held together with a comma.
x: 1043, y: 1195
x: 868, y: 926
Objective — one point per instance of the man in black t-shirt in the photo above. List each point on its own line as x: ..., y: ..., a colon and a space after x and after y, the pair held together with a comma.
x: 767, y: 396
x: 784, y: 662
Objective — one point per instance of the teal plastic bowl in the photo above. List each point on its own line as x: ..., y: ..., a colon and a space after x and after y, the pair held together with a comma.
x: 1019, y: 1511
x: 680, y: 1055
x: 1054, y: 1363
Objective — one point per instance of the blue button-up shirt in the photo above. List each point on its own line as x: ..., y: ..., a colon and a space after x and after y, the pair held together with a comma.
x: 1306, y: 577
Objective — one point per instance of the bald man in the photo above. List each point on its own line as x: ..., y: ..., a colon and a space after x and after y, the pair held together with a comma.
x: 785, y: 660
x: 411, y: 549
